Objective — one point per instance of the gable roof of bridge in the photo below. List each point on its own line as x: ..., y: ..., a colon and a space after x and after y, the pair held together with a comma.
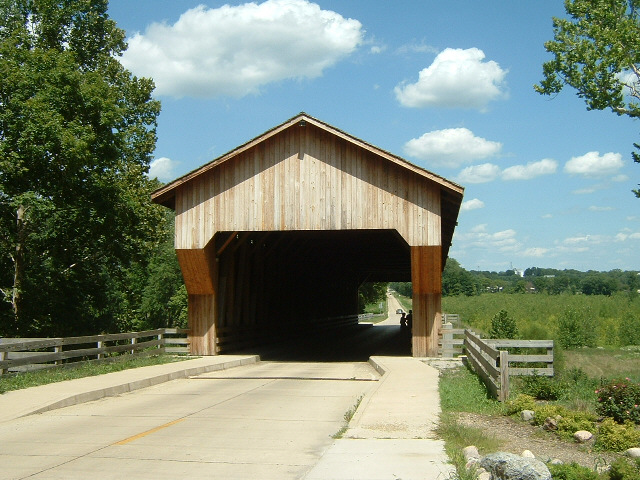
x: 450, y: 193
x: 165, y: 195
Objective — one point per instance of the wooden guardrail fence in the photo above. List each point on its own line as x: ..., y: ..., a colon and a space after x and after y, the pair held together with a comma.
x: 30, y: 354
x: 494, y: 365
x: 451, y: 341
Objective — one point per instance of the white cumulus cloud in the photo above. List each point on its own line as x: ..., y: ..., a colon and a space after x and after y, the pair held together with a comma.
x: 592, y: 164
x: 535, y: 252
x: 234, y: 50
x: 162, y: 168
x: 623, y: 236
x: 487, y: 172
x: 472, y: 205
x: 530, y: 170
x: 456, y: 78
x: 451, y: 147
x: 478, y: 236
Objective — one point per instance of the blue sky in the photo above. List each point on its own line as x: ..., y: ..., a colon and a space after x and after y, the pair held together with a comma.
x: 446, y: 85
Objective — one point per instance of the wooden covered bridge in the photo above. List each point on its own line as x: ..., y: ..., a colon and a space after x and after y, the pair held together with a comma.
x: 278, y: 234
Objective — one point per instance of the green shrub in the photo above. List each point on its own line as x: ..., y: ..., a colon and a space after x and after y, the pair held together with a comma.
x: 570, y: 421
x: 621, y: 469
x: 544, y: 411
x: 576, y: 329
x: 574, y: 421
x: 542, y: 388
x: 615, y: 437
x: 620, y: 400
x: 629, y: 331
x: 520, y: 403
x: 503, y: 326
x: 572, y: 471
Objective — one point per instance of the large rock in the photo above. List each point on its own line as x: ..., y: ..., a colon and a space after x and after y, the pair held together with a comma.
x: 527, y: 415
x: 470, y: 452
x: 550, y: 424
x: 471, y: 456
x: 507, y: 466
x: 633, y: 452
x: 582, y: 436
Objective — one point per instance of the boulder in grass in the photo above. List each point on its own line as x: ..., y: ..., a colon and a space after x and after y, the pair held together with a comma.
x: 507, y: 466
x: 582, y: 436
x: 632, y: 452
x: 527, y: 415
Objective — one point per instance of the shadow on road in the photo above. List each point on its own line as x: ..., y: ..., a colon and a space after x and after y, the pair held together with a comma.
x: 353, y: 344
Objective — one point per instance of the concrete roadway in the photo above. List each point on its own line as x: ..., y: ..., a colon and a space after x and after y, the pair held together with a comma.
x: 256, y: 421
x: 266, y: 420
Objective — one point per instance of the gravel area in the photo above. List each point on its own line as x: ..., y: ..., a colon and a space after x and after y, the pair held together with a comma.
x: 518, y: 436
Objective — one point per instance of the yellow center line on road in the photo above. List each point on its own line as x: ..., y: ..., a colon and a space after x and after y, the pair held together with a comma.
x: 148, y: 432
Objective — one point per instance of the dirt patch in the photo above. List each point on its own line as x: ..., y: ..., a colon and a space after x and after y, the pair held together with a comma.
x: 517, y: 436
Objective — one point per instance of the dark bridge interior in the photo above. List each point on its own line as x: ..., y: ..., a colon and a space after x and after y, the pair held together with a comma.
x: 300, y: 289
x: 347, y: 344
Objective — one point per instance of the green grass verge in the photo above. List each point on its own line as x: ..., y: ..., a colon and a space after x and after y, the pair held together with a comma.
x: 52, y: 375
x: 462, y: 391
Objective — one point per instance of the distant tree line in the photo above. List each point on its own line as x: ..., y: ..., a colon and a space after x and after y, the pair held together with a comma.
x: 458, y: 281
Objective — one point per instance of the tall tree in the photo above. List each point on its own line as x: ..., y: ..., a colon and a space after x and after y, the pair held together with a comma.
x: 597, y: 52
x: 77, y: 132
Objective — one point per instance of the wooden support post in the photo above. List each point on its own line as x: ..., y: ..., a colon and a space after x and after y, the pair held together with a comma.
x: 202, y: 325
x: 200, y: 271
x: 58, y: 349
x: 426, y: 277
x: 100, y: 343
x: 134, y: 340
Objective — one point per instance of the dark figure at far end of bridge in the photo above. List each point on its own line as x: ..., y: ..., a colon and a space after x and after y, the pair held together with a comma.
x: 410, y: 319
x: 403, y: 320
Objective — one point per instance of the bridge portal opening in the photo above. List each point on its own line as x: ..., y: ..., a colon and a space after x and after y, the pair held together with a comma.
x: 301, y: 288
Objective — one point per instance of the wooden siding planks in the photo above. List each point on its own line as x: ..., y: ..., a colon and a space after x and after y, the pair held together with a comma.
x: 305, y: 178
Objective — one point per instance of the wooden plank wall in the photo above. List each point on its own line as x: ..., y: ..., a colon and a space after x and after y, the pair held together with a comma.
x: 305, y: 178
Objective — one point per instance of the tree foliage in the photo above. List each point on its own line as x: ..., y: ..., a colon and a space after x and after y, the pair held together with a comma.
x: 77, y: 132
x: 456, y: 280
x: 597, y: 52
x: 503, y: 326
x: 371, y: 292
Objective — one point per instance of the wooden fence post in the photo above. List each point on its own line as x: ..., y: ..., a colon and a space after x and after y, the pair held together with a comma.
x: 161, y: 342
x: 504, y: 375
x: 447, y: 338
x: 3, y: 357
x: 58, y: 349
x: 134, y: 340
x: 100, y: 355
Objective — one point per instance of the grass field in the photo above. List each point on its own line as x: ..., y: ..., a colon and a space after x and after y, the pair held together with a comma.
x: 608, y: 363
x: 616, y: 318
